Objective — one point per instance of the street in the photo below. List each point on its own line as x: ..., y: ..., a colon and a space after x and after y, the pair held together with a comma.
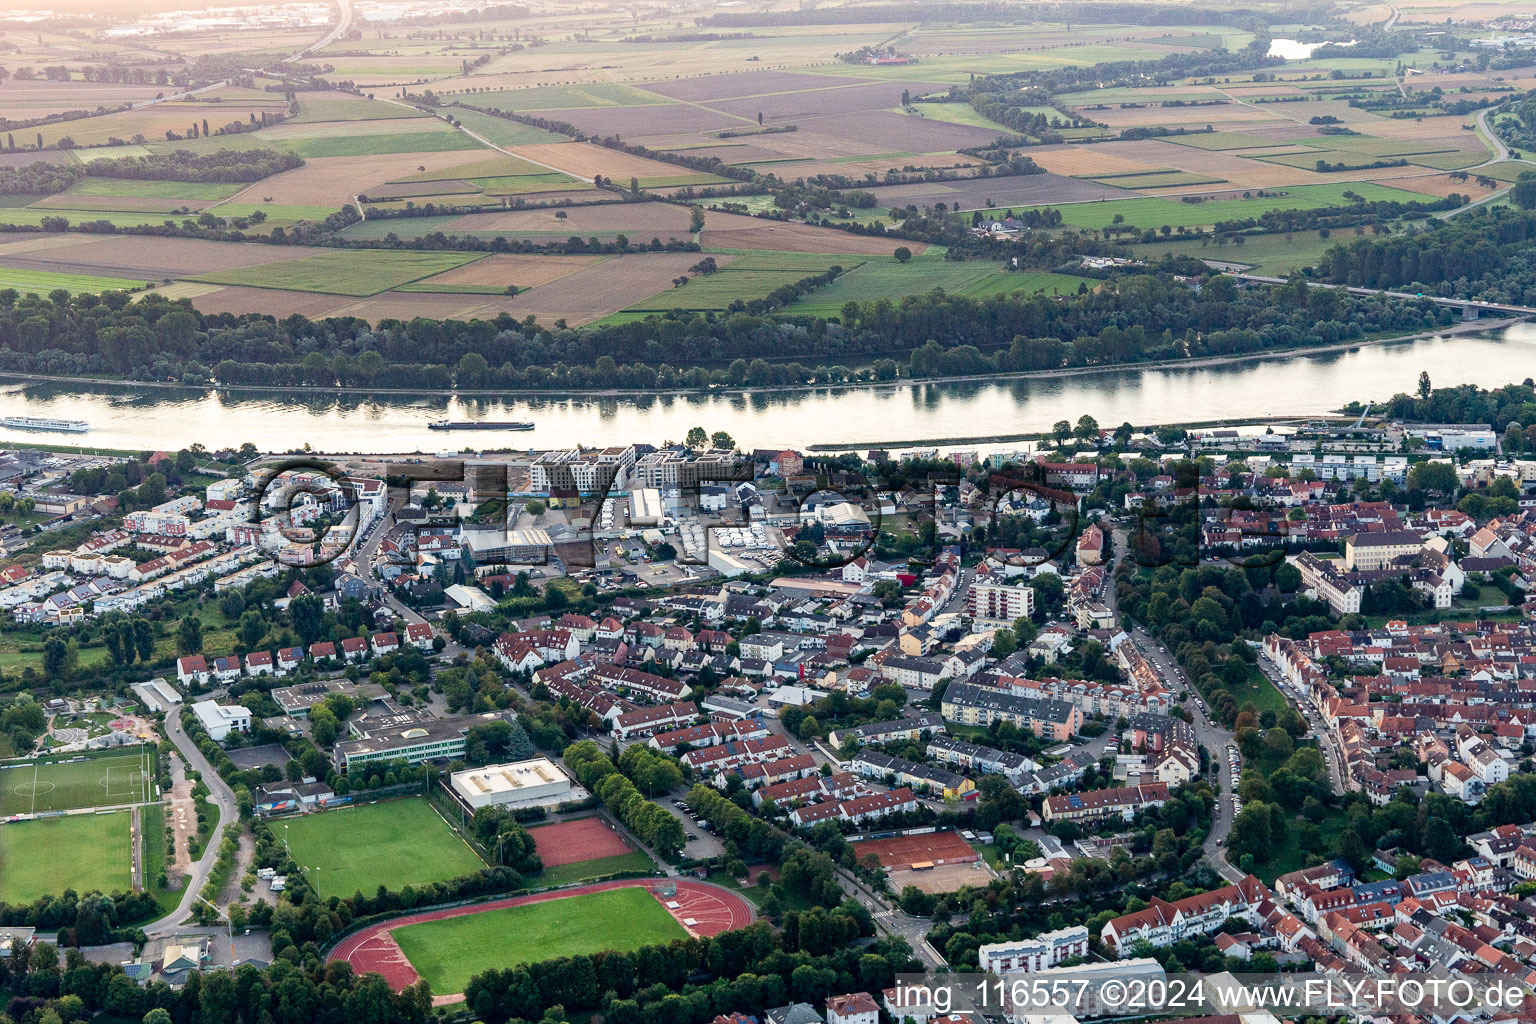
x: 223, y: 798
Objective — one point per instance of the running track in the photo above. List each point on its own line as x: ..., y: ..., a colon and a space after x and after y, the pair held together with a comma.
x: 373, y: 950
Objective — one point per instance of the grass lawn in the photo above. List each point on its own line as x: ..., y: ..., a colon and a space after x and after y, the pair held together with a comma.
x: 598, y: 868
x: 83, y: 852
x: 1259, y: 692
x: 344, y: 271
x: 1288, y: 855
x: 393, y: 844
x: 153, y: 819
x: 41, y: 282
x: 450, y: 952
x: 29, y: 787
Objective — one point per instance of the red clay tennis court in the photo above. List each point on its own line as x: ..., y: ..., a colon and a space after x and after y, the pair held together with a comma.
x: 701, y: 908
x: 932, y: 849
x: 570, y: 842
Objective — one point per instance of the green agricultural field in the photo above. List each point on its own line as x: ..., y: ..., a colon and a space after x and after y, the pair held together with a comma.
x: 568, y: 97
x: 502, y: 132
x: 134, y: 188
x: 679, y: 180
x: 1507, y: 170
x: 453, y: 289
x: 882, y: 277
x: 33, y: 217
x: 749, y: 276
x: 41, y: 282
x: 277, y: 213
x: 519, y: 184
x: 1270, y: 254
x: 1154, y: 212
x: 1223, y: 141
x: 719, y: 290
x: 1049, y: 284
x: 1452, y: 161
x: 381, y: 145
x: 1366, y: 145
x: 394, y: 844
x: 1157, y: 179
x: 1337, y: 161
x: 963, y: 113
x: 448, y: 953
x: 28, y: 787
x: 374, y: 230
x: 90, y: 207
x: 83, y: 852
x: 85, y: 156
x: 344, y: 271
x: 490, y: 168
x: 329, y: 108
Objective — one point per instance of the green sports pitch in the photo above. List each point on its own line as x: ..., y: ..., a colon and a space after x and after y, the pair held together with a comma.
x: 83, y: 852
x: 450, y: 951
x: 33, y: 787
x: 394, y: 843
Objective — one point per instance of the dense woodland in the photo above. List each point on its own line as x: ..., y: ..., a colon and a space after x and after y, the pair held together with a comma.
x: 1484, y: 254
x: 1131, y: 319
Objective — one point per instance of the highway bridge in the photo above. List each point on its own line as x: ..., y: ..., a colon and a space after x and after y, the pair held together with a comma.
x: 1471, y: 309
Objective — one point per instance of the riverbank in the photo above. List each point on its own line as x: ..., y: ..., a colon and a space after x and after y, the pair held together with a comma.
x: 1045, y: 435
x: 1204, y: 362
x: 1251, y: 388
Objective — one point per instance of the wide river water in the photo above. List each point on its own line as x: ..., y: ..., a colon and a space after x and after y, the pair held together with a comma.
x: 154, y: 418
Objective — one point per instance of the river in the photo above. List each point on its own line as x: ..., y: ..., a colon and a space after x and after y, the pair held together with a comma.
x: 153, y: 418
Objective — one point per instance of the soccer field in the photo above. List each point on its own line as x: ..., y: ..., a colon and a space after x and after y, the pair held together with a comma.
x: 83, y: 852
x: 449, y: 952
x: 28, y: 787
x: 393, y: 844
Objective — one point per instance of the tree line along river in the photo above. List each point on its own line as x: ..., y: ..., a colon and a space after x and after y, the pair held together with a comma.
x: 137, y: 417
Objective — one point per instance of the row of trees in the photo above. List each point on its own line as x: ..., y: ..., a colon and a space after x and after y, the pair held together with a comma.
x: 655, y: 827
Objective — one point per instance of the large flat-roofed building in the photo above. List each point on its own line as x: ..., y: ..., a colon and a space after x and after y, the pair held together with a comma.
x: 514, y: 547
x: 297, y: 700
x: 537, y: 781
x: 408, y: 738
x: 222, y: 719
